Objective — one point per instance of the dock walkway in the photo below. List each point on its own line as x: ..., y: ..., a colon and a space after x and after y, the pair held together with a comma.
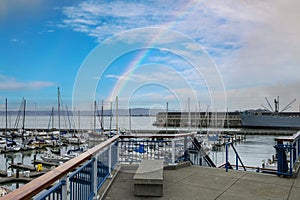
x: 196, y: 182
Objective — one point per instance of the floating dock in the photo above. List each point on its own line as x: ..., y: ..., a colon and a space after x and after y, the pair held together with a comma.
x: 22, y: 167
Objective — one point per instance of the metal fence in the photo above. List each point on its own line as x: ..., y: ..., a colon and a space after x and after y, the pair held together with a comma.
x: 83, y: 176
x: 164, y: 147
x: 288, y: 154
x: 55, y: 193
x: 87, y: 179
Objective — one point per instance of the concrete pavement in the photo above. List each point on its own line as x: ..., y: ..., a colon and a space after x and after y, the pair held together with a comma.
x: 195, y: 182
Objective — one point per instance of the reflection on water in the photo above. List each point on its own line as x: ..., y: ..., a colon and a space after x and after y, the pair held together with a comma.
x: 252, y: 151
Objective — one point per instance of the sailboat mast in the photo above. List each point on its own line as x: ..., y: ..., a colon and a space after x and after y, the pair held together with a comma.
x: 5, y: 117
x: 95, y: 110
x: 117, y: 124
x: 23, y: 124
x: 58, y: 110
x: 102, y: 128
x: 129, y: 120
x: 79, y: 120
x: 167, y: 116
x: 189, y: 114
x: 52, y: 118
x: 110, y: 120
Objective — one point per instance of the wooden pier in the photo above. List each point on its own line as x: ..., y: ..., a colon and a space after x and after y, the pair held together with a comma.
x: 22, y: 167
x: 49, y: 164
x: 15, y: 180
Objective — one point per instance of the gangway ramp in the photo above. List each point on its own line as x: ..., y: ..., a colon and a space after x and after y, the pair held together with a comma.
x: 200, y: 149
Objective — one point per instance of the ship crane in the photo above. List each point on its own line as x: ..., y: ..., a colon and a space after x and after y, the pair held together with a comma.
x: 268, y: 104
x: 288, y: 106
x: 276, y: 102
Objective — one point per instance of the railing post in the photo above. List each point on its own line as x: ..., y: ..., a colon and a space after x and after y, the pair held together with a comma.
x: 185, y: 144
x: 64, y: 188
x: 236, y: 162
x: 109, y: 161
x: 117, y: 153
x: 291, y: 158
x: 95, y: 176
x: 173, y: 151
x: 226, y: 156
x: 296, y: 145
x: 299, y: 147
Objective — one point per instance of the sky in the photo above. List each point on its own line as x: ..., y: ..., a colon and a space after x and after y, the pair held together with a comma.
x: 218, y: 55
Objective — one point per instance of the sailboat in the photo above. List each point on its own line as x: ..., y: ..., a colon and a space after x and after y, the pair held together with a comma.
x: 27, y: 144
x: 53, y: 140
x: 93, y: 134
x: 111, y: 132
x: 10, y: 145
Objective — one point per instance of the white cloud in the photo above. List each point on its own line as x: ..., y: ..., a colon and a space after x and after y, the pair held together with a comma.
x: 253, y: 43
x: 11, y: 84
x: 15, y: 40
x: 255, y: 96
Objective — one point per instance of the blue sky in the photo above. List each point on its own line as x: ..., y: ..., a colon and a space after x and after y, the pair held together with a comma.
x: 249, y: 47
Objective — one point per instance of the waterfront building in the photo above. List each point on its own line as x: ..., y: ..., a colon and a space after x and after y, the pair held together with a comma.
x: 198, y: 119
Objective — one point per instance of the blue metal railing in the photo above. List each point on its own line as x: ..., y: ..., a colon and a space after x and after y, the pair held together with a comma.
x: 237, y: 158
x: 131, y: 151
x: 54, y: 193
x: 94, y: 166
x: 288, y: 153
x: 81, y: 182
x: 102, y: 167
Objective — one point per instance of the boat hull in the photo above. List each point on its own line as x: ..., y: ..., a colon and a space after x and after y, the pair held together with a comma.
x: 271, y: 121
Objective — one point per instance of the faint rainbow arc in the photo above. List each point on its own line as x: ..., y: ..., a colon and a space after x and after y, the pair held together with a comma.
x: 143, y: 54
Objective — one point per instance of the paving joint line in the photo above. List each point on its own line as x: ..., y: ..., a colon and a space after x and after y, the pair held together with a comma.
x: 230, y: 186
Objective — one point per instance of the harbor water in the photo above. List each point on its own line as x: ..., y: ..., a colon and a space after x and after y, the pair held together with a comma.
x: 254, y: 150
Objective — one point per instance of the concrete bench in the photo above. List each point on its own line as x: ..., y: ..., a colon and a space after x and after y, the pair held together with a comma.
x: 148, y: 179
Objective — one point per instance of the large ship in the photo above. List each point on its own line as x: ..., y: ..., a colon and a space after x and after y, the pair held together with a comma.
x: 271, y: 118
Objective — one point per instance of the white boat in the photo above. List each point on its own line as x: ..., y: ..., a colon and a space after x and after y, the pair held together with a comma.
x: 2, y: 141
x: 12, y: 149
x: 53, y: 143
x: 27, y: 147
x: 71, y: 155
x: 54, y: 158
x: 11, y: 146
x: 75, y: 140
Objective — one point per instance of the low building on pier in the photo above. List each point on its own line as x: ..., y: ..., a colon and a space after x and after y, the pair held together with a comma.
x: 198, y: 119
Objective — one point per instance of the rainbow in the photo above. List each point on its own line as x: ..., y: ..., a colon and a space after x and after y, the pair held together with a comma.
x: 151, y: 44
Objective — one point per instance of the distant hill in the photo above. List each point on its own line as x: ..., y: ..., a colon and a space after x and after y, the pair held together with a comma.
x: 121, y: 112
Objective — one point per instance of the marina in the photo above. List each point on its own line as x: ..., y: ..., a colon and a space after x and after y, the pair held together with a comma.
x: 111, y: 157
x: 256, y: 145
x: 49, y: 149
x: 109, y: 100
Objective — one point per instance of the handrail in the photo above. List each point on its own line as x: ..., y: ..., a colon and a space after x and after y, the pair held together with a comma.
x: 37, y: 185
x: 237, y: 157
x: 157, y: 135
x: 285, y: 166
x: 292, y: 138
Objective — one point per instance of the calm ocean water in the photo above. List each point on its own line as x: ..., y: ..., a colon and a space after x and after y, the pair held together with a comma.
x: 252, y: 151
x: 82, y: 122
